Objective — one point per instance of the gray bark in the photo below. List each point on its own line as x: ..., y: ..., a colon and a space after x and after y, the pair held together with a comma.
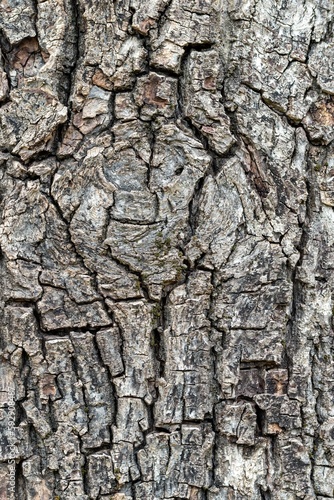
x: 167, y: 244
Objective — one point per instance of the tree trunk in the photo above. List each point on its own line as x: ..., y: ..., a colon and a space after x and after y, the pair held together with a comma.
x: 167, y: 249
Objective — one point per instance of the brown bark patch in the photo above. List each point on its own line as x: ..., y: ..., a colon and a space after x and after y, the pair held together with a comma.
x: 323, y: 113
x: 101, y: 80
x: 274, y: 429
x: 209, y: 83
x: 151, y: 92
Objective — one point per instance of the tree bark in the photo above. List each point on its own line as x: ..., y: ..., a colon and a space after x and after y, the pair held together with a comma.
x: 167, y: 249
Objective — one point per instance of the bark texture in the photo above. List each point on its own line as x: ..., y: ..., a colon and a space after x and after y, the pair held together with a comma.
x: 167, y: 249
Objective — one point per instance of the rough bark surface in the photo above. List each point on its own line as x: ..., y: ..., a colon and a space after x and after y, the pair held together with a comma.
x: 167, y: 249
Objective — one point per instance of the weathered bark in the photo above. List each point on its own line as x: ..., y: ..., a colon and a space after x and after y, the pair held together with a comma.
x: 167, y: 248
